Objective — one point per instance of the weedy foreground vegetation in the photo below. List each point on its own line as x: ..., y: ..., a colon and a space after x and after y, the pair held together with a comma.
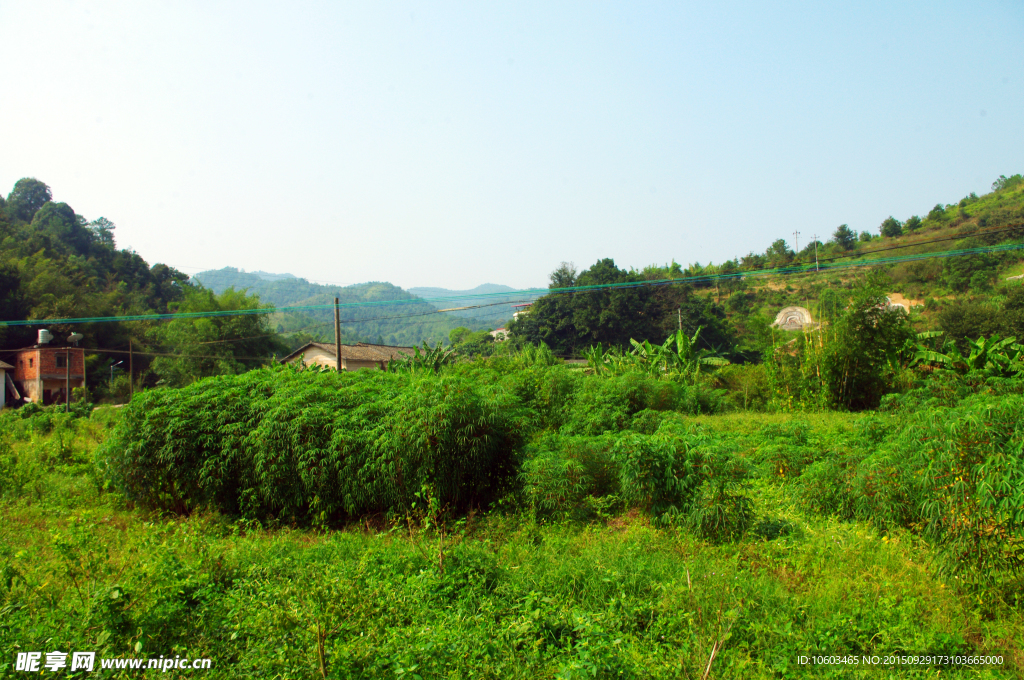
x: 854, y: 489
x: 514, y: 517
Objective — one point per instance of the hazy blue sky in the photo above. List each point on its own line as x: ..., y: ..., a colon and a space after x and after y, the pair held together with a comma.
x: 442, y: 144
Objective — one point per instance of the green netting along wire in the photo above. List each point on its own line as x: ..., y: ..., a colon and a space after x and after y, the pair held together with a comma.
x: 530, y: 292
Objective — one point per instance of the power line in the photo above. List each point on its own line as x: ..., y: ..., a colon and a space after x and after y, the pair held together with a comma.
x: 353, y: 321
x: 168, y: 354
x: 531, y: 292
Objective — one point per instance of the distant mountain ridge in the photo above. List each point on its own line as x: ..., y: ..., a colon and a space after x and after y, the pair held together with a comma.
x: 498, y: 307
x: 403, y: 319
x: 483, y: 289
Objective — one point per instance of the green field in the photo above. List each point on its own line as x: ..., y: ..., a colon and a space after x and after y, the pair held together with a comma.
x: 782, y: 535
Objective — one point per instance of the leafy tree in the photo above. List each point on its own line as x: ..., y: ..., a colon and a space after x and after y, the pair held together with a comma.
x: 937, y: 213
x: 214, y: 345
x: 865, y: 236
x: 103, y: 232
x: 27, y: 197
x: 1013, y: 312
x: 457, y: 335
x: 960, y: 272
x: 752, y: 261
x: 60, y: 223
x: 859, y: 361
x: 1005, y: 182
x: 891, y: 227
x: 570, y: 322
x: 779, y: 254
x: 844, y: 237
x: 564, y: 276
x: 912, y: 224
x: 967, y: 319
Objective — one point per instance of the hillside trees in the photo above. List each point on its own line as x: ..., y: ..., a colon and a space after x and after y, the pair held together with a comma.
x: 54, y: 264
x: 779, y: 254
x: 844, y: 237
x: 570, y: 322
x: 1005, y: 182
x: 214, y: 345
x: 865, y: 351
x: 891, y: 227
x: 26, y: 198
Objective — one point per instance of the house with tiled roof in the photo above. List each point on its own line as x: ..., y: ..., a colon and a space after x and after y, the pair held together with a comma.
x: 45, y: 375
x: 353, y: 357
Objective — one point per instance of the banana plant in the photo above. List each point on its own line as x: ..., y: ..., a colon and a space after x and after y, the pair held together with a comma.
x: 598, y: 360
x: 994, y: 355
x: 679, y: 355
x: 432, y: 359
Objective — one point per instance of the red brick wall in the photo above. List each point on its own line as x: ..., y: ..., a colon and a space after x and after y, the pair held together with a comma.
x: 48, y: 360
x: 44, y: 360
x: 22, y: 371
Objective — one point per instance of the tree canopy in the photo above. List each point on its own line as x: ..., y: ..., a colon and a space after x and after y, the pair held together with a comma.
x: 631, y: 309
x: 56, y: 264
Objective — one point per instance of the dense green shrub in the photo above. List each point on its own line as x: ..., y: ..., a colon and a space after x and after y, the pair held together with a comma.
x: 564, y: 476
x: 313, y: 445
x: 954, y: 474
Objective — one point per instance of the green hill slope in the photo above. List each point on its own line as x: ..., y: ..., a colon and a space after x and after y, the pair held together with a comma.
x: 403, y: 319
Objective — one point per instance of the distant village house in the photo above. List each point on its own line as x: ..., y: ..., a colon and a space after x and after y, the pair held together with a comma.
x: 353, y: 357
x: 44, y: 375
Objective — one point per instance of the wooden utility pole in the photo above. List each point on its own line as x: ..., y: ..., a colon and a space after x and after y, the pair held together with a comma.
x: 131, y: 371
x: 680, y: 318
x: 337, y: 334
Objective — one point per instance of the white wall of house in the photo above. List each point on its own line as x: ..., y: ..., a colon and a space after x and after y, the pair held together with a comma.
x: 318, y: 357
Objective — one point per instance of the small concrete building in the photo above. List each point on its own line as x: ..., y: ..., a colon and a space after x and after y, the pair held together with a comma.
x: 353, y: 357
x: 43, y: 374
x: 4, y: 368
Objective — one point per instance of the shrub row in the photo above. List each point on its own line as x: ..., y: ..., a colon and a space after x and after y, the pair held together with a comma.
x: 310, y: 445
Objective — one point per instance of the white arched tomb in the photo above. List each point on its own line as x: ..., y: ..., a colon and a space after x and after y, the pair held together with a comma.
x: 793, y: 319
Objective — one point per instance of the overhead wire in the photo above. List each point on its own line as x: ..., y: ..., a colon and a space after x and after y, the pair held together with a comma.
x: 801, y: 268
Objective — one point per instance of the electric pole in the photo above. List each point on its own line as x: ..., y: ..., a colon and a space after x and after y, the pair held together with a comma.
x: 815, y: 252
x: 337, y: 333
x: 796, y: 241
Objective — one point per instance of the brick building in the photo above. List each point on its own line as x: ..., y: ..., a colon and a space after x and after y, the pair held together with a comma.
x: 42, y: 374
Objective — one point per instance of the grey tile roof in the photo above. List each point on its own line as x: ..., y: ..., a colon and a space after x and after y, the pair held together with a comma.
x: 359, y: 352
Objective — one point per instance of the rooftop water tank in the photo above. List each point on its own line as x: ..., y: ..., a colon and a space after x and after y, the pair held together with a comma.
x: 44, y: 336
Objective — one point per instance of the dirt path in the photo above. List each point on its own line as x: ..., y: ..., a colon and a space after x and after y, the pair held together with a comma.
x: 898, y: 299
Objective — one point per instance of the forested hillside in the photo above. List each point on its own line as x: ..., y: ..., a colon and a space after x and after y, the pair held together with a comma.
x: 956, y: 269
x: 55, y: 263
x: 403, y: 319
